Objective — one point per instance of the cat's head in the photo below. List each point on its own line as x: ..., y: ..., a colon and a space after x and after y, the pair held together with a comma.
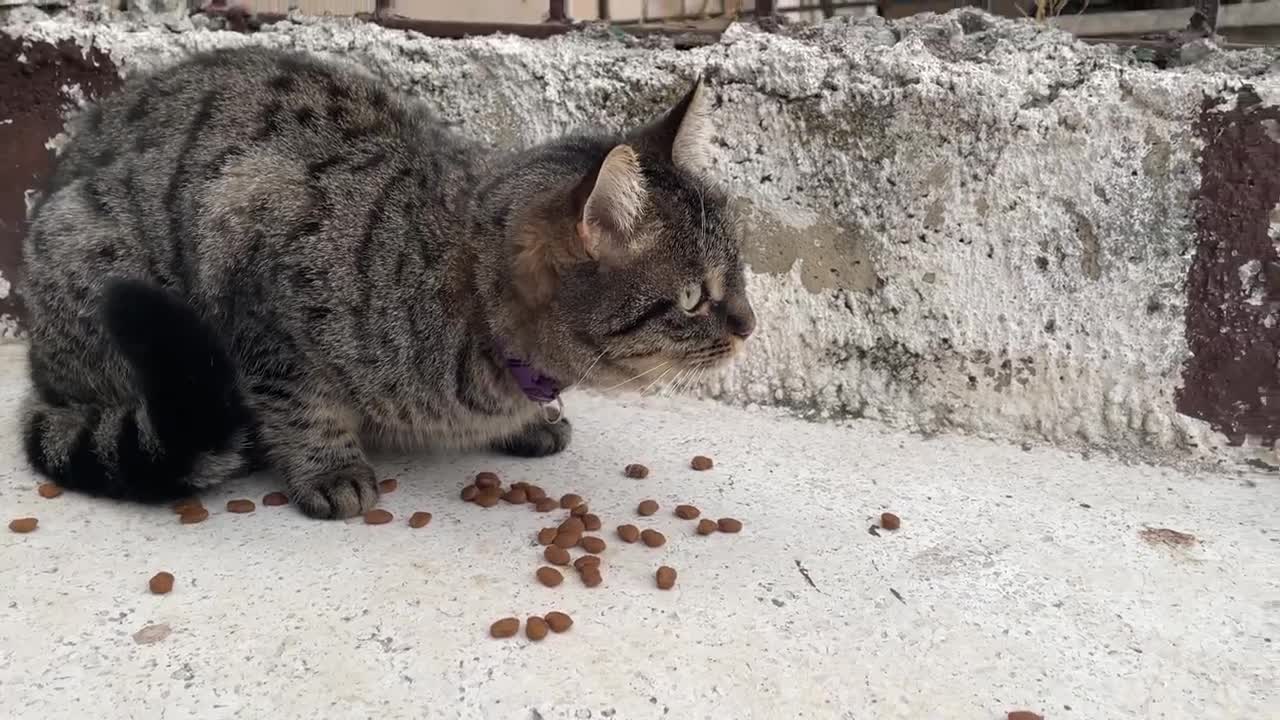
x: 631, y: 266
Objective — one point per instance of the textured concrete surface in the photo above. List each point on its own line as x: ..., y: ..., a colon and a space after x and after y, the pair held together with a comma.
x: 1038, y: 580
x: 956, y: 222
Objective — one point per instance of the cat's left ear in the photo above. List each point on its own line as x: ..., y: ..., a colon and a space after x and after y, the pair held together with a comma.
x: 682, y: 136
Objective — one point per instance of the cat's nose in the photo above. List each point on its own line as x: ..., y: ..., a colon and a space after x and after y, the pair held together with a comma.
x: 741, y: 319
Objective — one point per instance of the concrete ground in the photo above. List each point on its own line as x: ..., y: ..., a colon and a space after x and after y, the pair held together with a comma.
x: 1019, y: 580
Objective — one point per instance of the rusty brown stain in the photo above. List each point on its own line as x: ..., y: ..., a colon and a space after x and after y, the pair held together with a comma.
x: 1231, y: 378
x: 1168, y: 538
x: 33, y: 100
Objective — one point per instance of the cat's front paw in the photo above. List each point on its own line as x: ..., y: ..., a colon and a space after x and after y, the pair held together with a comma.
x: 538, y: 439
x: 337, y: 494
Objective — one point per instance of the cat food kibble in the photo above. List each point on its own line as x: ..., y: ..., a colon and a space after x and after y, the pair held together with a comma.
x: 591, y: 576
x: 546, y: 505
x: 275, y: 499
x: 728, y: 525
x: 23, y: 525
x: 628, y: 533
x: 570, y: 501
x: 486, y: 480
x: 470, y: 492
x: 687, y: 512
x: 486, y: 500
x: 193, y: 516
x: 701, y: 462
x: 666, y: 578
x: 556, y: 555
x: 647, y: 508
x: 636, y: 471
x: 184, y: 505
x: 580, y: 510
x: 706, y: 526
x: 516, y: 496
x: 535, y: 628
x: 1023, y: 715
x: 581, y: 563
x: 889, y: 521
x: 419, y: 520
x: 49, y: 490
x: 388, y: 486
x: 505, y: 628
x: 567, y: 540
x: 653, y: 538
x: 377, y: 517
x: 558, y: 621
x: 240, y: 506
x: 574, y: 525
x: 535, y: 493
x: 592, y: 544
x: 591, y: 522
x: 161, y: 583
x: 549, y: 576
x: 546, y: 536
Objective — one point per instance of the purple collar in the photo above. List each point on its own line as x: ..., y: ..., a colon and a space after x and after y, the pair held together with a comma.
x: 536, y: 386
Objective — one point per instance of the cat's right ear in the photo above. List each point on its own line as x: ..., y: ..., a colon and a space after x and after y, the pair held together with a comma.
x: 613, y: 206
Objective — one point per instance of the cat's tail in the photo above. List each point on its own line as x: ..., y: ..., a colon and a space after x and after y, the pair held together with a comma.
x: 185, y: 428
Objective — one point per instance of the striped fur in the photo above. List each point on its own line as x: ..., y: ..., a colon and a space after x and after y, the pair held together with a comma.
x: 260, y: 259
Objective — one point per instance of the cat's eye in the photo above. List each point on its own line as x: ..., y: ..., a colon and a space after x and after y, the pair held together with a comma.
x: 690, y: 297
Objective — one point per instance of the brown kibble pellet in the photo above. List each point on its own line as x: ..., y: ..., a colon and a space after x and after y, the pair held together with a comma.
x: 546, y: 505
x: 687, y: 512
x: 666, y: 578
x: 567, y: 540
x: 161, y: 583
x: 707, y: 526
x: 591, y: 576
x: 629, y: 533
x: 193, y: 516
x: 419, y: 520
x: 1023, y: 715
x: 241, y: 506
x: 558, y: 621
x: 184, y: 505
x: 49, y: 490
x: 701, y: 462
x: 546, y: 536
x: 535, y: 628
x: 487, y: 480
x: 549, y: 576
x: 653, y: 538
x: 592, y: 544
x: 505, y: 628
x: 275, y: 499
x: 573, y: 524
x: 580, y: 510
x: 556, y: 555
x: 581, y: 563
x: 388, y: 486
x: 636, y: 471
x: 486, y: 500
x: 23, y: 525
x: 516, y: 496
x: 535, y: 494
x: 728, y: 525
x: 470, y: 493
x: 889, y: 521
x: 591, y: 522
x: 377, y: 517
x: 521, y: 485
x: 570, y: 501
x: 647, y: 508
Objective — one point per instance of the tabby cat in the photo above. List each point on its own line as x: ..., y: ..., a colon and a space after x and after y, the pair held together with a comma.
x: 259, y: 259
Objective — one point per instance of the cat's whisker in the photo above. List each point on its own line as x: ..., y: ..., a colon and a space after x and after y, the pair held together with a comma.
x: 666, y: 391
x: 637, y: 377
x: 589, y: 369
x: 655, y: 382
